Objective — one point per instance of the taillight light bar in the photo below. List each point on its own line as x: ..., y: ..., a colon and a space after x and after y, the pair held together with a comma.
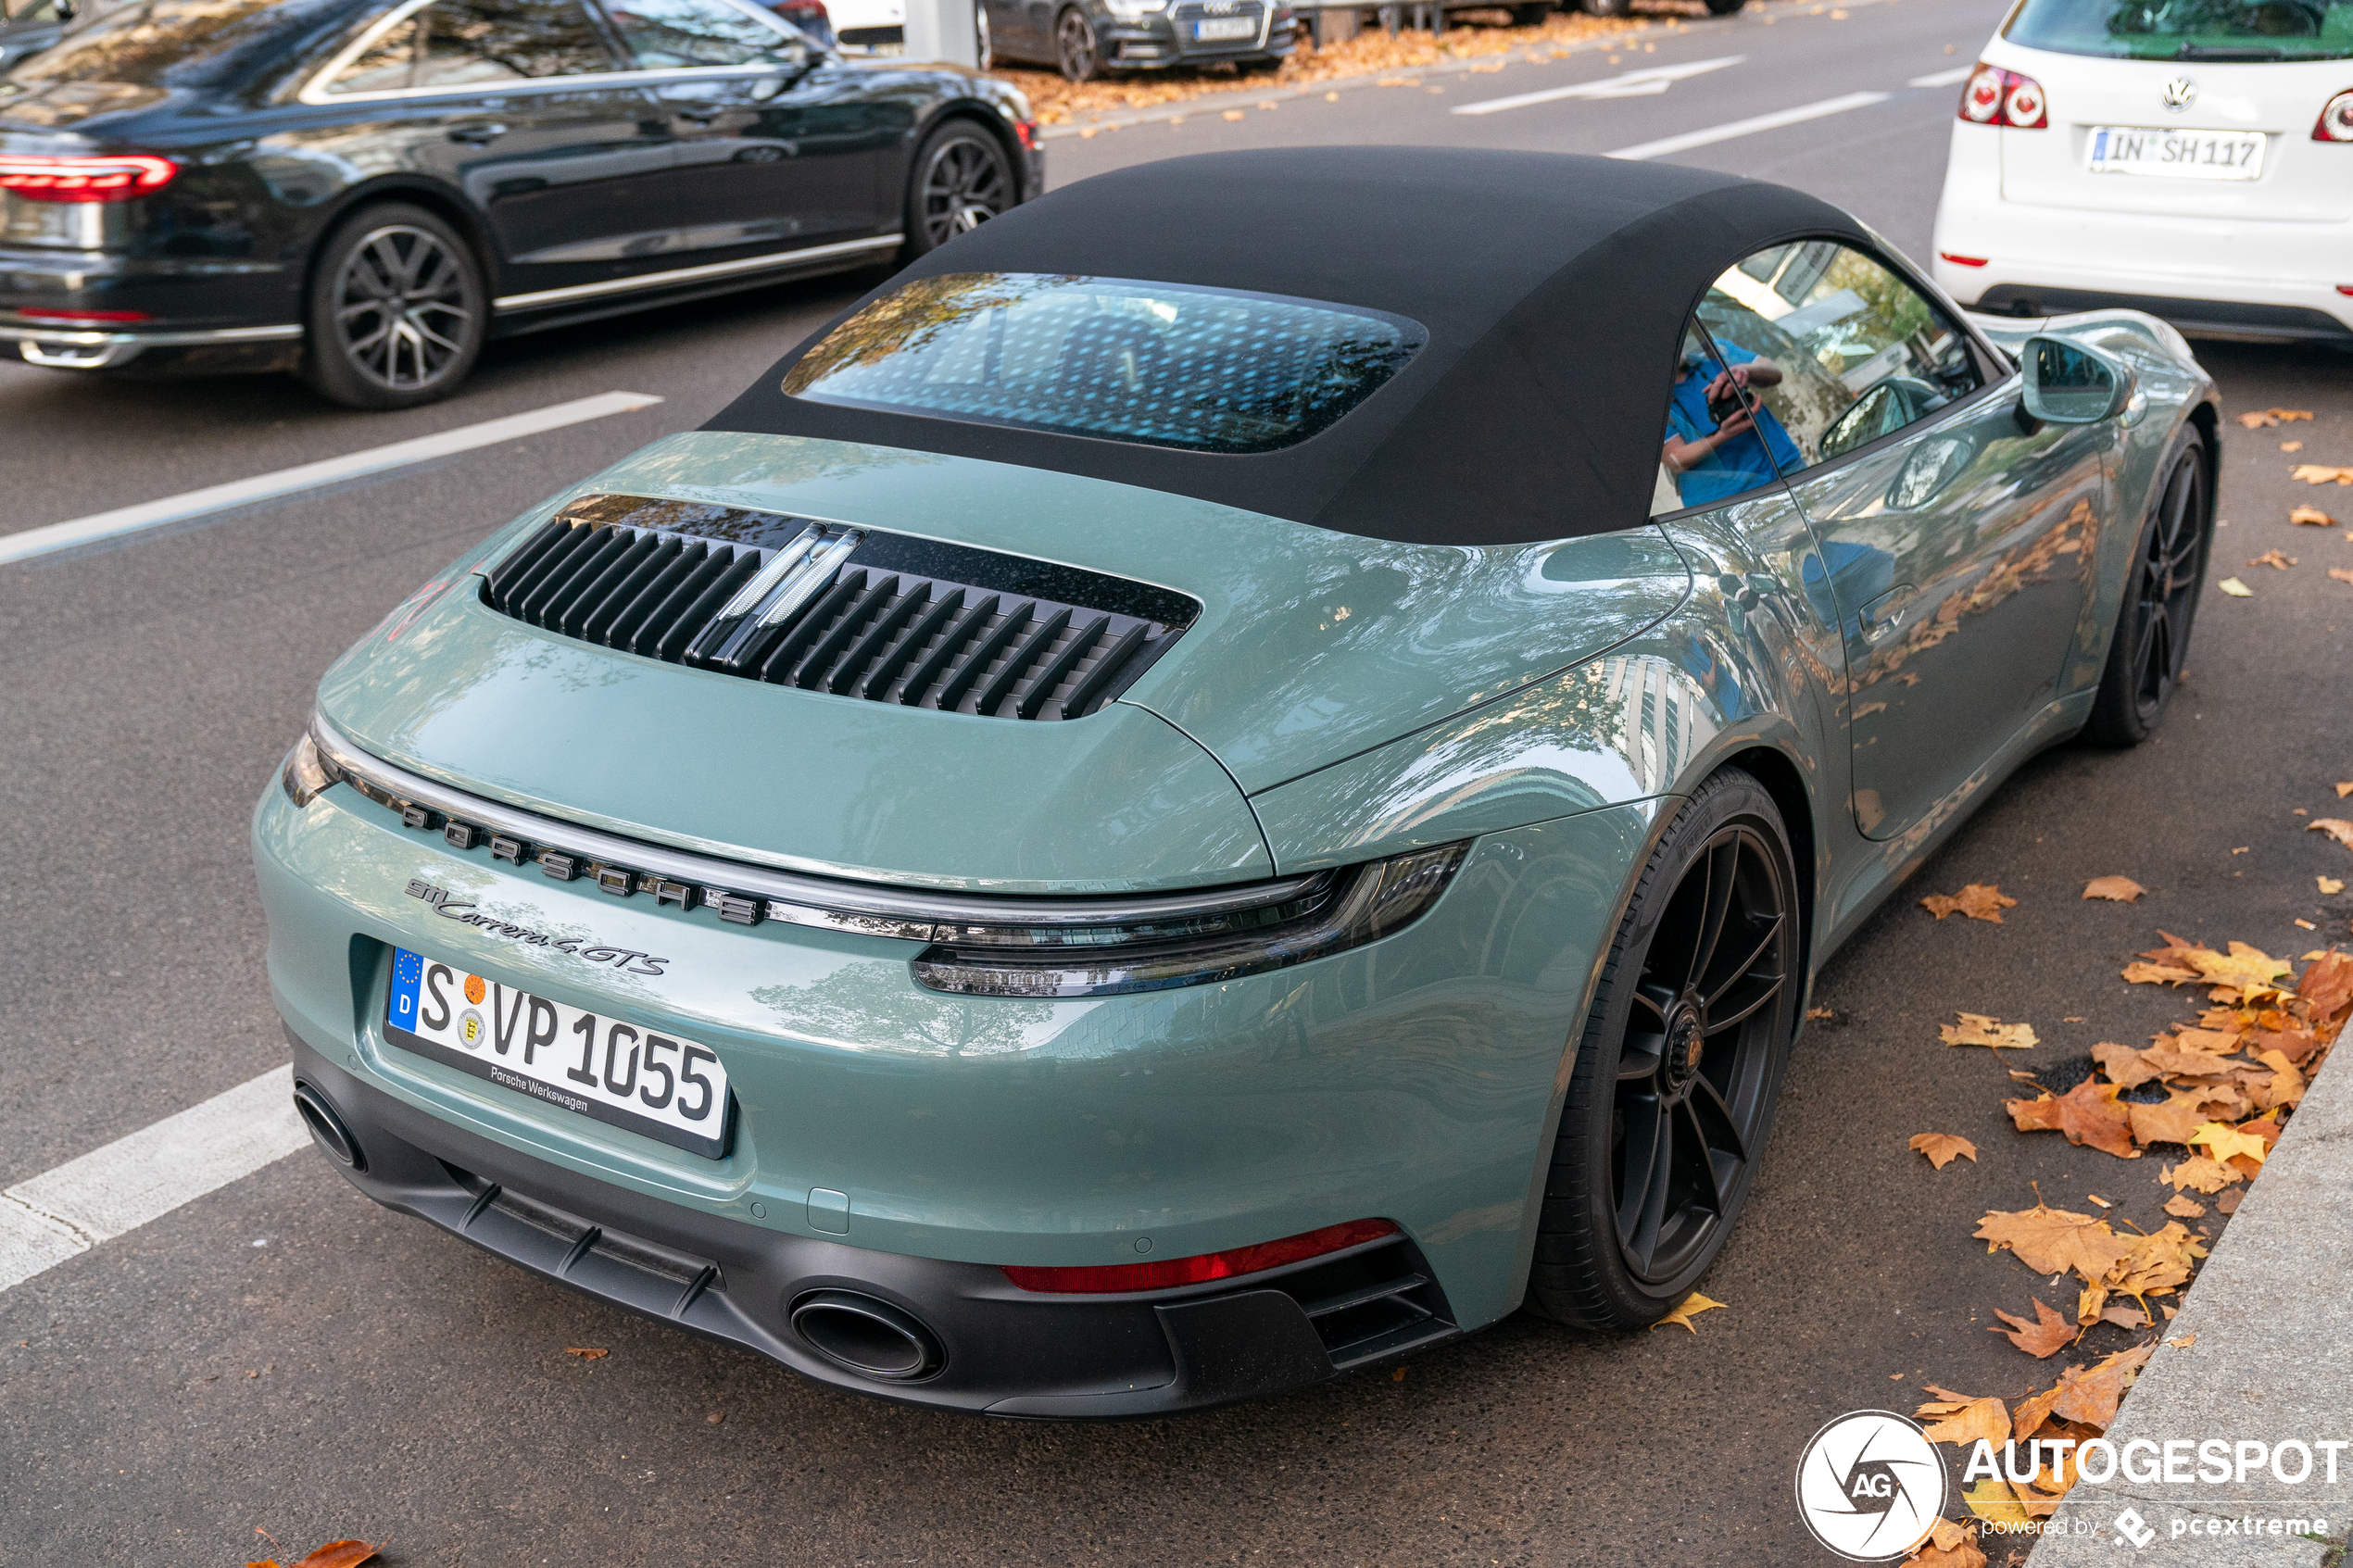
x: 41, y: 178
x: 1995, y: 96
x: 2336, y: 123
x: 1105, y: 1278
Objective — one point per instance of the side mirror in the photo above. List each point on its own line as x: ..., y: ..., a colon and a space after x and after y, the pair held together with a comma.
x: 2070, y: 384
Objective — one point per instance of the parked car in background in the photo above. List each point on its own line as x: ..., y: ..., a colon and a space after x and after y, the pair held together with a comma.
x: 366, y: 191
x: 2192, y: 161
x: 1085, y: 39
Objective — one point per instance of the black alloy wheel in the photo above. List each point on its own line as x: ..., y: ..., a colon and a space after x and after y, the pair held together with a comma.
x: 1672, y: 1095
x: 963, y: 179
x: 1724, y: 7
x: 1074, y: 47
x: 2152, y: 639
x: 397, y: 311
x: 1531, y: 12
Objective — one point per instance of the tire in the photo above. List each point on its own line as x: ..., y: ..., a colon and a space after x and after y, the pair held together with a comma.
x: 961, y: 179
x: 397, y: 311
x: 1724, y: 7
x: 1074, y: 47
x: 1607, y: 7
x: 1682, y: 1056
x: 2152, y: 637
x: 1531, y: 15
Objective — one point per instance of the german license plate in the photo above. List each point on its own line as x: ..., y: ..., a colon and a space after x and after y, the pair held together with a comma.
x: 639, y: 1079
x: 1220, y: 29
x: 2178, y: 154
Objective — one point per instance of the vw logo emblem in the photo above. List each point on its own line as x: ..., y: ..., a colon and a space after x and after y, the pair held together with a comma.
x: 2178, y: 94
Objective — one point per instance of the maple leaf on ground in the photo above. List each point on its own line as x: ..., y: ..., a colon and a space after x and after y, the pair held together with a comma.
x: 2228, y: 1203
x: 2257, y: 419
x: 2087, y: 1113
x: 2200, y: 1173
x: 2287, y: 1084
x: 2327, y: 985
x: 1966, y: 1421
x: 2188, y: 1207
x: 2341, y: 574
x: 1942, y: 1148
x: 2159, y: 1262
x: 2125, y: 1317
x: 2277, y: 558
x: 2235, y: 588
x: 2117, y: 889
x: 1948, y: 1546
x: 587, y: 1353
x: 2048, y: 1334
x: 2125, y: 1067
x: 2225, y: 1143
x: 2183, y: 1113
x: 2250, y: 968
x: 334, y: 1554
x: 2145, y: 973
x: 2336, y: 827
x: 2320, y: 474
x: 2311, y: 517
x: 2053, y: 1241
x: 1978, y: 901
x: 2088, y: 1397
x: 1691, y: 1307
x: 1976, y: 1029
x: 2330, y: 884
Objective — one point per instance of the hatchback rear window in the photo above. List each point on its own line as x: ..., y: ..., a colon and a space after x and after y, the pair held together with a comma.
x: 2187, y: 29
x: 1203, y: 369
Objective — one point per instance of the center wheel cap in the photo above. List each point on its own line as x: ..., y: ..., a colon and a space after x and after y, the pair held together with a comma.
x: 1686, y: 1042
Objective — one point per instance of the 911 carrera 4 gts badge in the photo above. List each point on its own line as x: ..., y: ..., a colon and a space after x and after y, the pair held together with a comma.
x: 626, y: 960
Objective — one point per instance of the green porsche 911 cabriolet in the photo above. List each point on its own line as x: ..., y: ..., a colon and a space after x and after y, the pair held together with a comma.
x: 1238, y: 773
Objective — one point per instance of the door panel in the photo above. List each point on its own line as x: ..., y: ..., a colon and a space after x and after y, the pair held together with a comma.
x: 1958, y: 558
x: 782, y: 163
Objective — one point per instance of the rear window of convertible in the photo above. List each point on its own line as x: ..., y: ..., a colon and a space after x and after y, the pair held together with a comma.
x: 1202, y: 370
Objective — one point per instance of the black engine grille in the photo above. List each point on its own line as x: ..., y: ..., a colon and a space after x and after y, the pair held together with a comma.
x: 857, y: 612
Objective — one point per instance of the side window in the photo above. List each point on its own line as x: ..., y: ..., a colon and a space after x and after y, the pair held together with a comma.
x: 680, y: 34
x: 1719, y: 443
x: 1862, y: 353
x: 452, y: 42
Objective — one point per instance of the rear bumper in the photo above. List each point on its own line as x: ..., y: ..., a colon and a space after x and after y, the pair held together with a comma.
x: 992, y: 1350
x: 2265, y: 281
x: 65, y: 348
x: 203, y: 314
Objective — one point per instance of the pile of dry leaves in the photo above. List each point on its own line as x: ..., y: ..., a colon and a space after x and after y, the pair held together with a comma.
x: 2219, y: 1090
x: 1469, y: 35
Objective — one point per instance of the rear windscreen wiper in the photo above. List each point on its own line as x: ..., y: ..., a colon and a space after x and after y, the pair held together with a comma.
x: 2229, y: 52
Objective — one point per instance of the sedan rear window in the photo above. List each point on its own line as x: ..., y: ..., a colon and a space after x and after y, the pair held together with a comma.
x: 162, y: 43
x: 1202, y: 370
x: 2187, y: 29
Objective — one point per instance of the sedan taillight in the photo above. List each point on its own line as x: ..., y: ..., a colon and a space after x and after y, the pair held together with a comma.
x: 1995, y: 96
x: 2336, y: 123
x: 43, y: 179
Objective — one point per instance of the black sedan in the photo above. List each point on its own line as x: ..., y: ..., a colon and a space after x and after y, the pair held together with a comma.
x: 366, y: 191
x: 1084, y: 39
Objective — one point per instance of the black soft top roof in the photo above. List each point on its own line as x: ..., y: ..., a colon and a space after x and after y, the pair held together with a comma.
x: 1554, y: 289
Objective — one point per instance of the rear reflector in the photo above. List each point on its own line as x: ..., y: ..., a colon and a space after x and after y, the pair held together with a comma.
x: 1995, y: 96
x: 1961, y: 260
x: 1202, y: 1267
x: 38, y: 177
x: 93, y: 318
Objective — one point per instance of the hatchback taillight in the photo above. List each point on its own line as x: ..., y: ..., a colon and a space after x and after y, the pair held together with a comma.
x: 44, y: 178
x: 2336, y: 123
x: 1995, y: 96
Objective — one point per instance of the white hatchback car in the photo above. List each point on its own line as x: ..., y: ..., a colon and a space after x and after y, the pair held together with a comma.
x: 2192, y: 158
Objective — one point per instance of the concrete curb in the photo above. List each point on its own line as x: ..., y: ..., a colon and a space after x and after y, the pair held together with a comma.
x: 2273, y: 1361
x: 1248, y: 99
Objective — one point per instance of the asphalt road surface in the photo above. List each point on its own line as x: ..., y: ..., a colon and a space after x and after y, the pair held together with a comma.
x: 282, y: 1354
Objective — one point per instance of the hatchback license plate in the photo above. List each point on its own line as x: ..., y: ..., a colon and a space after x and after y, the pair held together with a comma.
x: 649, y: 1082
x: 1218, y: 30
x: 2177, y: 155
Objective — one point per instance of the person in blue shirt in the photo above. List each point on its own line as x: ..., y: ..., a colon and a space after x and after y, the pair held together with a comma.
x: 1712, y: 457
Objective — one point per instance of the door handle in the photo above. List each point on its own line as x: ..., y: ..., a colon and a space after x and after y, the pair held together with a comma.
x: 477, y: 135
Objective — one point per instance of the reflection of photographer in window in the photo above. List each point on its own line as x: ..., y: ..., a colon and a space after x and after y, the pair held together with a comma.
x: 1714, y: 446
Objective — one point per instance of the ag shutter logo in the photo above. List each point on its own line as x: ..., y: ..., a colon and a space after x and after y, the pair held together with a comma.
x: 1870, y: 1487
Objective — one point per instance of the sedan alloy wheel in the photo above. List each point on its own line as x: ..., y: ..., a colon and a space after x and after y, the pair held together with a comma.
x: 963, y: 181
x: 398, y: 311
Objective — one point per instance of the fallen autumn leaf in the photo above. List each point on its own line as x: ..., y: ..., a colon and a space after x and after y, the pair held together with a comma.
x: 1976, y: 1029
x: 1978, y: 901
x: 2336, y: 827
x: 2117, y: 889
x: 1942, y: 1148
x: 2311, y: 517
x: 1692, y: 1306
x: 2048, y: 1336
x: 2235, y: 588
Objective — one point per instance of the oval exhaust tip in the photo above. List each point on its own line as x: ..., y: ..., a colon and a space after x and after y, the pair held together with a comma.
x: 318, y: 1113
x: 871, y: 1338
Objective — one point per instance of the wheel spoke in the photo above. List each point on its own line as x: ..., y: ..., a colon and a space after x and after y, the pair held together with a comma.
x: 1691, y: 1153
x: 1726, y: 977
x: 1723, y: 865
x: 1715, y: 1121
x: 1739, y: 1007
x: 1648, y: 1156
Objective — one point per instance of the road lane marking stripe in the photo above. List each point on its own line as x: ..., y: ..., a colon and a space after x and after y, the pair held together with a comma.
x: 1774, y: 121
x: 1953, y: 78
x: 310, y: 476
x: 1633, y: 84
x: 49, y: 1217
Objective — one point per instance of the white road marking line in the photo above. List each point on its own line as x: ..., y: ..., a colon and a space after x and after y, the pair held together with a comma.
x: 310, y: 476
x: 1634, y: 85
x: 49, y: 1217
x: 1953, y: 78
x: 1773, y: 121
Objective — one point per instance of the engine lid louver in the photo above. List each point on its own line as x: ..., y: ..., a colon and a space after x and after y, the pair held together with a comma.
x: 828, y: 606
